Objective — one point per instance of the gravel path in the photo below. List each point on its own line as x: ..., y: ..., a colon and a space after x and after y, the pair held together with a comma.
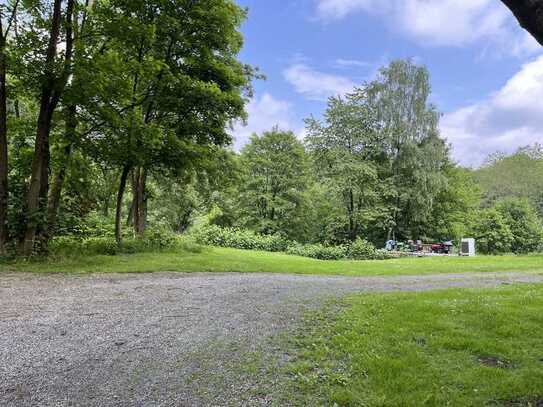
x: 161, y: 339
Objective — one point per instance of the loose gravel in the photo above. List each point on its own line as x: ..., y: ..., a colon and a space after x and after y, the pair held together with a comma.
x: 164, y: 339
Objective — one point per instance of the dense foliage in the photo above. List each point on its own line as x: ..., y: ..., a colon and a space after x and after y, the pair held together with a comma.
x: 116, y: 117
x: 213, y: 235
x: 99, y: 95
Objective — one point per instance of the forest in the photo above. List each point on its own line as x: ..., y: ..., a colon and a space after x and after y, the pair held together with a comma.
x: 116, y: 123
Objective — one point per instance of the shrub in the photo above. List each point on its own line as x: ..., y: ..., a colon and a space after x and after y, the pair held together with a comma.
x: 213, y: 235
x: 67, y: 245
x: 99, y: 245
x: 361, y: 249
x: 153, y: 240
x: 318, y: 251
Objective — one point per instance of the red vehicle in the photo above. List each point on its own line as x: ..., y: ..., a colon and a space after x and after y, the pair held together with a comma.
x: 442, y: 248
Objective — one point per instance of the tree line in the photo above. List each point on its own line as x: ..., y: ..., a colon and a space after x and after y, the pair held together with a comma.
x: 100, y: 98
x: 375, y: 167
x: 118, y: 89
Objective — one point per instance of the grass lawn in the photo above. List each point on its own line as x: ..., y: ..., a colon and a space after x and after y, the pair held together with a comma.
x: 445, y: 348
x: 232, y: 260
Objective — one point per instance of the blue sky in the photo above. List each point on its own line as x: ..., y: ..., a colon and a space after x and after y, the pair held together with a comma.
x: 487, y: 73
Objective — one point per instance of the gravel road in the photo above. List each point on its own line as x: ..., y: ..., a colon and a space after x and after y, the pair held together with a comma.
x: 162, y: 339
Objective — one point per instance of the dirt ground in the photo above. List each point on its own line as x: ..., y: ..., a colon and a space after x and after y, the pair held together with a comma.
x: 165, y: 339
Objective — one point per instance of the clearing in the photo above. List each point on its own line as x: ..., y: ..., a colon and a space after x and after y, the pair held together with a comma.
x: 221, y: 260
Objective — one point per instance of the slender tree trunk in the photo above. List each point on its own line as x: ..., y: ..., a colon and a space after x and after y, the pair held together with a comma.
x: 71, y: 129
x: 3, y: 146
x: 58, y: 179
x: 105, y: 207
x: 133, y: 203
x: 55, y: 194
x: 184, y: 222
x: 51, y: 92
x: 352, y: 231
x: 119, y: 209
x: 131, y: 209
x: 140, y: 201
x: 37, y: 184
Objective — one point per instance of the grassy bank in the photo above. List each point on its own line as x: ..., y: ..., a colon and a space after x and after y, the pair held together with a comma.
x: 232, y: 260
x: 458, y: 348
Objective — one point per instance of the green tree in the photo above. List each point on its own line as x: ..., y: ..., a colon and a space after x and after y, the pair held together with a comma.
x: 519, y: 175
x: 8, y: 15
x: 176, y: 82
x: 52, y: 70
x: 346, y: 148
x: 416, y: 155
x: 272, y: 193
x: 492, y: 233
x: 455, y: 209
x: 526, y: 227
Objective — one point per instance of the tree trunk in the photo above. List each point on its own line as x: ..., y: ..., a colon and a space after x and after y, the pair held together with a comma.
x: 132, y: 207
x: 51, y: 92
x: 38, y: 186
x: 3, y: 145
x: 119, y: 209
x: 105, y: 207
x: 183, y: 223
x: 140, y: 201
x: 58, y: 180
x: 529, y: 13
x: 352, y: 226
x: 54, y: 196
x: 130, y: 217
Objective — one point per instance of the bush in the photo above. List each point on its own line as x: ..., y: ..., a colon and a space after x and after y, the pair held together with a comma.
x: 68, y: 245
x: 318, y: 251
x: 361, y: 249
x: 213, y: 235
x: 153, y: 240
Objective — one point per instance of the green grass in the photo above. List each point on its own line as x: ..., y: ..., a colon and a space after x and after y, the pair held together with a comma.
x: 444, y: 348
x: 232, y: 260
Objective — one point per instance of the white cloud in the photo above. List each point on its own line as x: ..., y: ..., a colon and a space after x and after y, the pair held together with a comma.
x: 316, y: 85
x: 263, y: 114
x: 440, y: 22
x: 351, y: 63
x: 508, y: 119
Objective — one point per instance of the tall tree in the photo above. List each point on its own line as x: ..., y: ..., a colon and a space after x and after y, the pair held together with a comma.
x: 529, y: 13
x: 81, y: 49
x: 53, y: 80
x: 8, y: 11
x: 416, y: 154
x: 177, y: 83
x: 273, y: 189
x: 347, y: 151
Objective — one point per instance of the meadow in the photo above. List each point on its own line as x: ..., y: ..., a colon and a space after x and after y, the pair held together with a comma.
x: 441, y: 348
x: 225, y: 260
